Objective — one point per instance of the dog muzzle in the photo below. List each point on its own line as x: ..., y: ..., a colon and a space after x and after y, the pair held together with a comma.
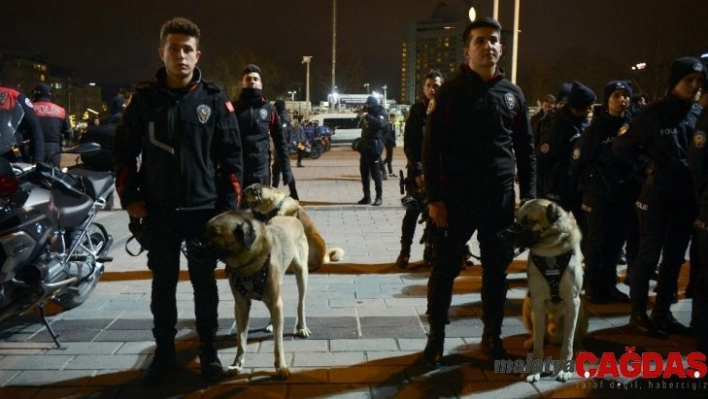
x: 517, y: 236
x: 200, y: 250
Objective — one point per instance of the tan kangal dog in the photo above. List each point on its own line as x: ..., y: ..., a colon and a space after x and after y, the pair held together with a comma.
x: 266, y: 202
x: 256, y: 256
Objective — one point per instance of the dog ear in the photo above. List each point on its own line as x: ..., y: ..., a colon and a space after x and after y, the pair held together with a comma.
x: 245, y: 233
x: 552, y: 212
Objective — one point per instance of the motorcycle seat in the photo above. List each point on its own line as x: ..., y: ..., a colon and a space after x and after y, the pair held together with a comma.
x: 96, y: 183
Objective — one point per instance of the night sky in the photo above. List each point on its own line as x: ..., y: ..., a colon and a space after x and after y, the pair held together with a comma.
x: 116, y: 42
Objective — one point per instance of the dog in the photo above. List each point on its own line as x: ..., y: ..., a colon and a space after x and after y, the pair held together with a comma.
x: 257, y: 255
x: 267, y: 202
x: 554, y: 311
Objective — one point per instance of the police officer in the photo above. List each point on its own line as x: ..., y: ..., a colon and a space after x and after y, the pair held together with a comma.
x: 602, y: 181
x: 286, y: 123
x: 20, y: 124
x: 555, y: 147
x: 185, y: 130
x: 258, y: 121
x: 54, y: 122
x: 373, y: 122
x: 412, y: 147
x: 543, y: 123
x: 658, y: 139
x: 477, y: 127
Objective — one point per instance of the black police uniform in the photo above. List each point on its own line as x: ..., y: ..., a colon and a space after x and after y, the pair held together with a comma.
x: 658, y: 137
x: 20, y: 121
x: 475, y: 131
x: 191, y: 168
x: 373, y: 124
x: 553, y: 154
x: 55, y: 126
x: 258, y: 121
x: 286, y: 124
x: 698, y: 163
x: 602, y: 180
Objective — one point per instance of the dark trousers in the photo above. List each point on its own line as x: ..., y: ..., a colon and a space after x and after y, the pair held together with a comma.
x: 665, y: 222
x: 52, y: 153
x: 410, y: 219
x: 388, y: 161
x: 606, y: 224
x: 699, y: 314
x: 164, y: 237
x: 277, y: 172
x: 256, y: 172
x: 370, y: 166
x: 487, y: 213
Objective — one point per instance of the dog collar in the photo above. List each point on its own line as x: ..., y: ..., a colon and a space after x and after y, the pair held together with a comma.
x: 270, y: 215
x: 552, y: 268
x: 252, y: 286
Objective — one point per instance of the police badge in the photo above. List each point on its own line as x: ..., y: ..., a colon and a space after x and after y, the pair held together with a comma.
x: 263, y: 113
x: 699, y: 139
x: 510, y: 100
x: 576, y: 154
x: 203, y: 113
x: 431, y: 107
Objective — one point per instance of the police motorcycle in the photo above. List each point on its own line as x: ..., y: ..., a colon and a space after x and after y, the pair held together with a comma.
x: 51, y: 249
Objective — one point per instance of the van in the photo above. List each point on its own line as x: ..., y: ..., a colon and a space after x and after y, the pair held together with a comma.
x: 345, y: 126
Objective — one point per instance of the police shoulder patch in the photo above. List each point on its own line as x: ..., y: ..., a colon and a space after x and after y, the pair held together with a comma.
x: 545, y: 148
x: 263, y: 113
x: 576, y: 154
x: 28, y: 103
x: 623, y: 129
x: 699, y: 139
x: 431, y: 107
x: 203, y: 113
x: 509, y: 100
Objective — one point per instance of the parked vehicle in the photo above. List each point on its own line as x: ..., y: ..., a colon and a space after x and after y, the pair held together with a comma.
x: 50, y: 247
x: 345, y: 126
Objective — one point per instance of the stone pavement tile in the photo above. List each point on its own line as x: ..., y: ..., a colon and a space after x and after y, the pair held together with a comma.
x: 395, y: 358
x: 97, y: 362
x: 115, y: 378
x: 330, y: 391
x: 124, y: 336
x: 297, y: 345
x: 377, y: 344
x: 85, y: 324
x: 77, y: 392
x: 67, y: 336
x: 496, y: 390
x: 386, y: 313
x: 35, y: 362
x: 23, y: 348
x: 7, y: 375
x: 373, y: 374
x: 459, y: 372
x: 358, y: 303
x: 84, y: 314
x: 125, y: 322
x: 18, y: 392
x: 85, y: 348
x: 245, y: 391
x: 413, y: 390
x: 329, y: 359
x: 411, y: 329
x: 35, y: 377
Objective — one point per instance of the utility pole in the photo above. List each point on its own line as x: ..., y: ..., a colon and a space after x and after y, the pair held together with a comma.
x: 306, y: 60
x: 334, y: 44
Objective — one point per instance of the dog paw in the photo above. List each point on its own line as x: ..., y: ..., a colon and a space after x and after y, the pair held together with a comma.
x: 232, y: 371
x: 535, y: 377
x: 528, y: 344
x: 282, y: 373
x: 564, y: 376
x: 303, y: 332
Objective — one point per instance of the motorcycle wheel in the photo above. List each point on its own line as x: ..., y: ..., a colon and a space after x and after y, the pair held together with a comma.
x: 328, y: 145
x: 74, y: 298
x: 316, y: 150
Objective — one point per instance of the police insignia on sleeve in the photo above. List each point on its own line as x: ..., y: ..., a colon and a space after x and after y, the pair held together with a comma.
x: 203, y: 113
x: 545, y: 148
x: 28, y: 103
x: 431, y: 107
x: 509, y: 100
x: 622, y: 130
x: 3, y: 97
x: 263, y: 113
x: 576, y: 153
x: 699, y: 139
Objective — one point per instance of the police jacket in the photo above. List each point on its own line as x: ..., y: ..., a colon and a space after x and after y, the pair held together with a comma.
x: 287, y: 125
x: 593, y: 161
x: 413, y: 136
x: 373, y: 123
x: 18, y: 116
x: 657, y: 141
x: 53, y: 120
x: 475, y: 131
x: 258, y: 121
x: 190, y: 147
x: 553, y: 154
x: 698, y: 159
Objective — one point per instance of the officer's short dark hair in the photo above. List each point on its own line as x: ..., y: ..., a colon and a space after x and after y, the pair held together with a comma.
x: 432, y: 74
x: 250, y: 68
x: 179, y: 25
x: 484, y: 22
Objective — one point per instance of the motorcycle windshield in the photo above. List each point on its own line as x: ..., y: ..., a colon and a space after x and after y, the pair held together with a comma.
x: 9, y: 121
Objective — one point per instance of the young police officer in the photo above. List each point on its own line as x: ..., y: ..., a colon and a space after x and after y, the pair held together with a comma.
x: 477, y: 126
x: 187, y: 133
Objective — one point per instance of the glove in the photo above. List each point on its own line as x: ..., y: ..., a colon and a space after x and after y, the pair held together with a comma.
x: 287, y: 177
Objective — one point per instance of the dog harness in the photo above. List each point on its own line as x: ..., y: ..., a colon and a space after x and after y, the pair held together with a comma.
x: 552, y: 268
x: 270, y: 215
x: 252, y: 287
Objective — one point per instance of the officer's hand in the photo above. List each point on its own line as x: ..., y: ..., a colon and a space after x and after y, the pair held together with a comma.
x: 287, y: 177
x: 419, y: 181
x: 137, y: 210
x: 438, y: 213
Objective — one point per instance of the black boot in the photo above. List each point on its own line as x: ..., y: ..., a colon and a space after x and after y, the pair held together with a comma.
x: 212, y: 371
x: 665, y: 321
x: 493, y: 347
x: 162, y: 366
x: 403, y: 257
x: 364, y: 201
x: 641, y: 322
x: 433, y: 352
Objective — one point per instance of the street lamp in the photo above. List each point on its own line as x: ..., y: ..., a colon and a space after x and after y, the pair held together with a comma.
x: 367, y: 87
x: 384, y: 87
x: 292, y: 95
x: 306, y: 60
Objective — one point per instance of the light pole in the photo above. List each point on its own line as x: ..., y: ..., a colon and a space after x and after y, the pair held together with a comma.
x: 384, y: 87
x: 367, y: 87
x: 334, y: 43
x: 306, y: 60
x: 292, y: 95
x: 515, y: 51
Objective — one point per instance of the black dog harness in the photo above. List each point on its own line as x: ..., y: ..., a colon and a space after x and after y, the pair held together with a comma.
x: 252, y: 287
x: 552, y: 268
x: 270, y: 215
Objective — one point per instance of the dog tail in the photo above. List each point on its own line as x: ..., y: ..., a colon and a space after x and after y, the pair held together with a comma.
x: 334, y: 255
